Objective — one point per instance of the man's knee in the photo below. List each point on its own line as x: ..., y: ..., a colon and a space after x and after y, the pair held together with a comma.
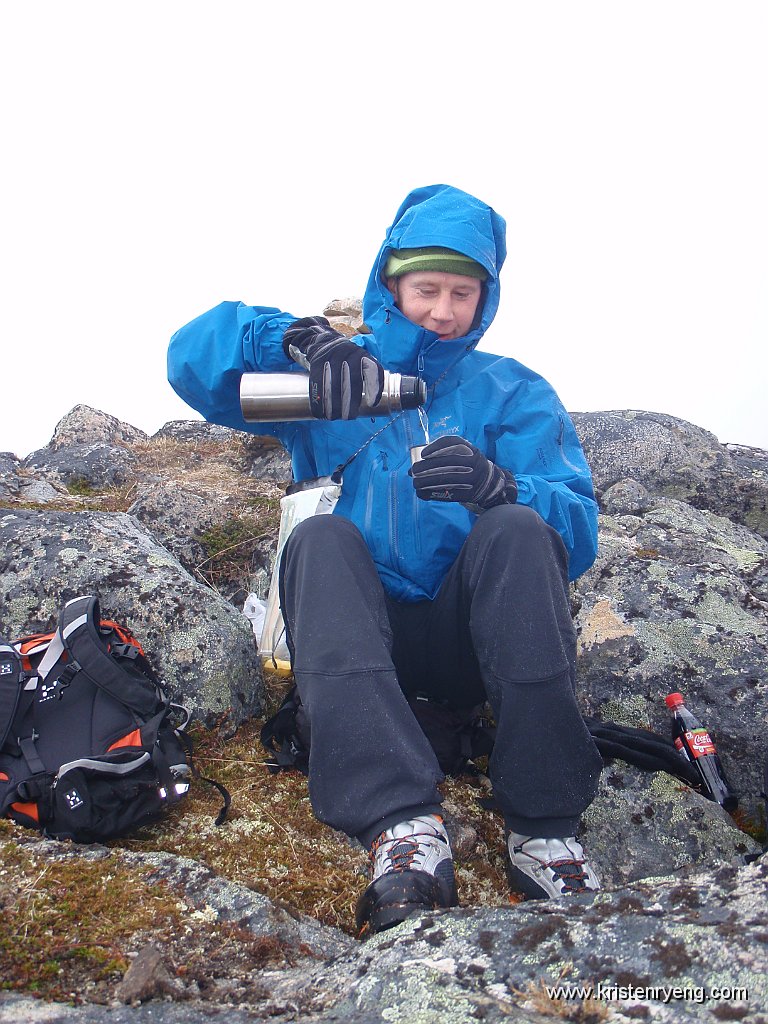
x: 522, y: 516
x: 323, y: 540
x: 323, y: 529
x: 518, y: 521
x: 519, y: 532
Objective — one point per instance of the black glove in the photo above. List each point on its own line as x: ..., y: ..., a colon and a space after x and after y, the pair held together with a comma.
x: 452, y: 469
x: 641, y: 747
x: 340, y: 372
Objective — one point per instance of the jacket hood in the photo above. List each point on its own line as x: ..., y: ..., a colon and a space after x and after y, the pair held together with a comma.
x: 436, y: 215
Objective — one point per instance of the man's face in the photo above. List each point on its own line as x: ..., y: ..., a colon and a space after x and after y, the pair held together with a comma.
x: 443, y: 303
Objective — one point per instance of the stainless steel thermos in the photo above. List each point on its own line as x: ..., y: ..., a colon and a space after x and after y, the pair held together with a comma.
x: 275, y: 397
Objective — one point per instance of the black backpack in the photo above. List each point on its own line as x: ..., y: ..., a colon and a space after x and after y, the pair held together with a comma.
x: 88, y: 745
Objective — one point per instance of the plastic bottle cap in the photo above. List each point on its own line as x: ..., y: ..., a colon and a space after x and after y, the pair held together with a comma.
x: 673, y: 700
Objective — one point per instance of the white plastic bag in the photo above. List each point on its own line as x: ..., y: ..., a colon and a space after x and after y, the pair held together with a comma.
x: 302, y: 500
x: 255, y: 609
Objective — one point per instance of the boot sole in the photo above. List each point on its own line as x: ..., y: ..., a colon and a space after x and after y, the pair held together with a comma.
x: 393, y: 897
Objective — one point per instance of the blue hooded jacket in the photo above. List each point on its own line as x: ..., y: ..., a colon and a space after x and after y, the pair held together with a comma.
x: 507, y: 411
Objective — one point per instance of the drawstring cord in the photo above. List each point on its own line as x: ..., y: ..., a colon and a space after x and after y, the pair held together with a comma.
x: 338, y: 473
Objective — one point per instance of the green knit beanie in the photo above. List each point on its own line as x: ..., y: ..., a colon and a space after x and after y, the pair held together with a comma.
x: 405, y: 261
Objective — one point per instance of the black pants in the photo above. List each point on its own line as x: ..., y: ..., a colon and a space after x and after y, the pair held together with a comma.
x: 500, y: 628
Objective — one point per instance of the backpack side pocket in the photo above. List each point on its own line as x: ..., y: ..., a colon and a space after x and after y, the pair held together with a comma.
x: 94, y: 797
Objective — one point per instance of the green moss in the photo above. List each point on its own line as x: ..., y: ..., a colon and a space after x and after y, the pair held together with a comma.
x: 223, y: 536
x: 72, y: 922
x: 229, y: 547
x: 266, y: 505
x: 70, y: 919
x: 77, y: 485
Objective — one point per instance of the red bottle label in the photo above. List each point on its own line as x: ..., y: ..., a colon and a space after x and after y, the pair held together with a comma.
x: 698, y: 742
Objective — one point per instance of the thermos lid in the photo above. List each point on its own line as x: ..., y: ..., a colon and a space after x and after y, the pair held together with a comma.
x: 673, y: 700
x: 413, y: 392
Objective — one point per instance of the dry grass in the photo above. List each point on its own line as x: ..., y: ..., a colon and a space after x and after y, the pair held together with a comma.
x: 71, y: 926
x: 212, y: 467
x: 581, y: 1011
x: 159, y: 454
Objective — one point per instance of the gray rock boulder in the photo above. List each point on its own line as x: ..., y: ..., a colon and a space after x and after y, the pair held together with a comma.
x: 200, y: 645
x: 663, y: 950
x: 626, y: 497
x: 191, y: 483
x: 18, y: 485
x: 9, y: 468
x: 84, y: 425
x: 176, y: 515
x: 89, y: 450
x: 750, y: 462
x: 345, y: 315
x: 645, y: 825
x: 676, y: 459
x: 39, y: 492
x: 196, y: 431
x: 266, y: 459
x: 92, y: 466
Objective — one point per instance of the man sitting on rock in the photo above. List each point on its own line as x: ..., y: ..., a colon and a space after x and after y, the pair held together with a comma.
x: 447, y: 579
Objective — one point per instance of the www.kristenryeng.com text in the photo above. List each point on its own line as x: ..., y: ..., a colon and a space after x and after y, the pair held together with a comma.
x: 608, y: 992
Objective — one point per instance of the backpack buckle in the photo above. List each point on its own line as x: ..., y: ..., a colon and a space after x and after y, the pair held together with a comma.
x: 67, y: 675
x: 124, y: 651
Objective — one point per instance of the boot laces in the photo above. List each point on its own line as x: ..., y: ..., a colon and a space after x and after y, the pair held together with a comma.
x: 402, y: 853
x: 568, y: 870
x: 400, y: 856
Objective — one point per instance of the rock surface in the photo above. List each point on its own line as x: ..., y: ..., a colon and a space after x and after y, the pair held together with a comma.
x: 688, y: 947
x: 84, y: 425
x: 677, y: 459
x: 677, y: 600
x: 91, y: 466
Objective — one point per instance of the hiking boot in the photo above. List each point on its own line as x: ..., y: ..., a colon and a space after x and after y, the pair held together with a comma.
x: 547, y: 868
x: 411, y: 871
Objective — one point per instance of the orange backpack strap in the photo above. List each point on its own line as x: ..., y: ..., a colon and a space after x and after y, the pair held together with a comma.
x: 125, y: 635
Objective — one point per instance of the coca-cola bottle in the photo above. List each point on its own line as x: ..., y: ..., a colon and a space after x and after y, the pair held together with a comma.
x: 694, y: 743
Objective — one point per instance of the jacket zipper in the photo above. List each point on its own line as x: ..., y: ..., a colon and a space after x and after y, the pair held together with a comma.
x: 415, y: 510
x: 379, y: 463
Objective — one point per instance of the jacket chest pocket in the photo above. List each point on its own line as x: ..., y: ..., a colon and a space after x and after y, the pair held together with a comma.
x: 377, y: 500
x: 391, y: 516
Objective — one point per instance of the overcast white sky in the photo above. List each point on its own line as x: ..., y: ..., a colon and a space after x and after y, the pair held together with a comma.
x: 161, y: 156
